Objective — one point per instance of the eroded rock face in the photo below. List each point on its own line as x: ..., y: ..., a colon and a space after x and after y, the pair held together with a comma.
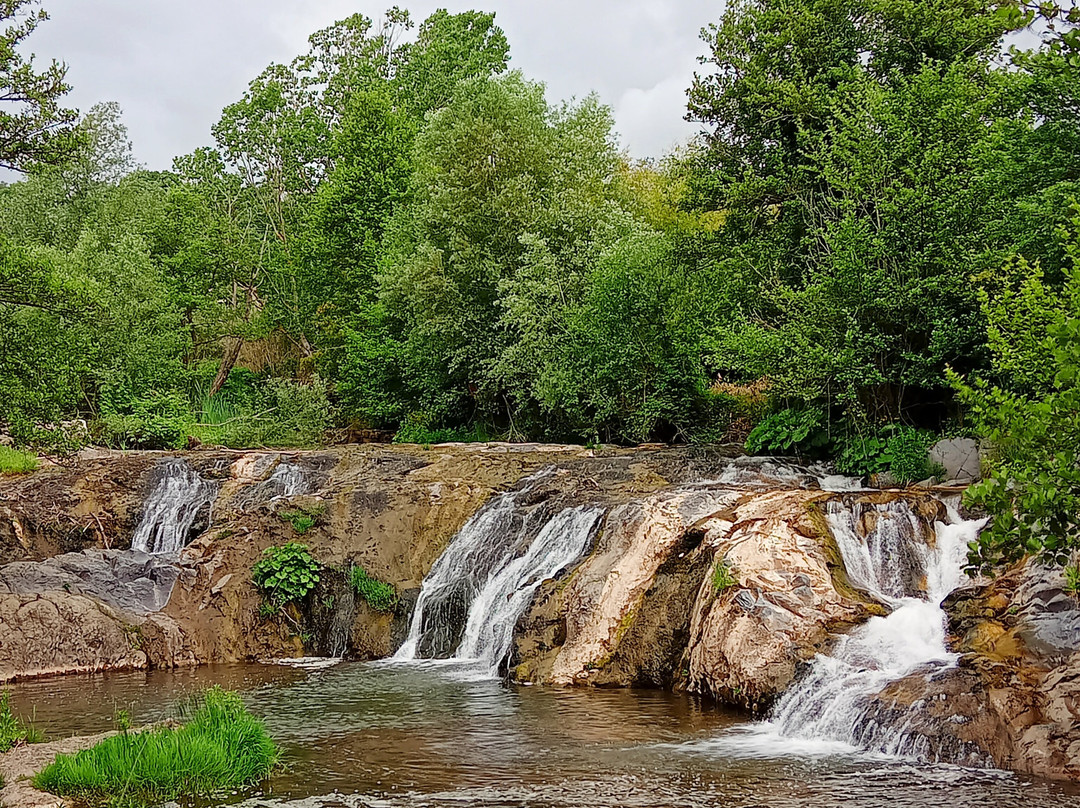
x: 643, y: 610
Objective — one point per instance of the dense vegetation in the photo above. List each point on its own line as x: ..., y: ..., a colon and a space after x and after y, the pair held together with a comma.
x: 223, y: 747
x: 870, y: 244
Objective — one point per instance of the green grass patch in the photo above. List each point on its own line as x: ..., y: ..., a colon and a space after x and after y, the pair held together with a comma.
x: 223, y: 747
x: 380, y: 596
x: 13, y: 730
x: 303, y: 519
x: 16, y: 461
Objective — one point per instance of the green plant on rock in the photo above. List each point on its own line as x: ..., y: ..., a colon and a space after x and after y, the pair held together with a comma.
x: 223, y: 747
x: 723, y: 577
x: 380, y: 596
x: 1072, y: 580
x: 286, y: 573
x: 303, y: 519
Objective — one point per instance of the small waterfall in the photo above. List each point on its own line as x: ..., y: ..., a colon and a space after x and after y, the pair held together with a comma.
x: 172, y: 508
x: 834, y: 701
x: 288, y: 480
x: 475, y: 593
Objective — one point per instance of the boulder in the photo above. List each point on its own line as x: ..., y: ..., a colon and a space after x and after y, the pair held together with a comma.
x: 959, y: 457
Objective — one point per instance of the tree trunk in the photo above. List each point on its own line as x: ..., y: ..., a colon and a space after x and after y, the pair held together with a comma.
x: 232, y: 353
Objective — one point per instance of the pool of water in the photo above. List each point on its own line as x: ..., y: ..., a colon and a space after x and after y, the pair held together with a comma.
x: 386, y: 735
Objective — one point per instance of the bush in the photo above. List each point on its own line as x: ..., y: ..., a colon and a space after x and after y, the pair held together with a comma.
x: 900, y: 450
x: 15, y: 461
x: 416, y: 429
x: 287, y: 414
x: 792, y: 430
x: 380, y: 596
x: 13, y: 730
x: 222, y: 748
x: 153, y: 421
x: 286, y: 573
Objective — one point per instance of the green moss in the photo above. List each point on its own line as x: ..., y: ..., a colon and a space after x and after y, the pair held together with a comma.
x: 379, y: 595
x: 222, y: 748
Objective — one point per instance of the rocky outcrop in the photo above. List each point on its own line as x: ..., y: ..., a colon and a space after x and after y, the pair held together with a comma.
x: 20, y: 764
x: 643, y: 609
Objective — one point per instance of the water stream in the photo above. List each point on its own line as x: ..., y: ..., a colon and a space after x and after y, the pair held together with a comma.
x: 485, y: 580
x: 172, y: 508
x: 833, y: 702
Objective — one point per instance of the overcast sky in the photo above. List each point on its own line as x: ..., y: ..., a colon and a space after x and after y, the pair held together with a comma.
x: 173, y: 64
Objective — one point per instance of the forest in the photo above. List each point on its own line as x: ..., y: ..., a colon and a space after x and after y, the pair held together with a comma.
x: 874, y: 241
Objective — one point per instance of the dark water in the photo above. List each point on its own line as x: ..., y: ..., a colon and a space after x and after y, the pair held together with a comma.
x: 379, y: 735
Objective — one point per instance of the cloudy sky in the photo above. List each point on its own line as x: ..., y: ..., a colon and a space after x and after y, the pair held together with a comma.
x: 173, y: 65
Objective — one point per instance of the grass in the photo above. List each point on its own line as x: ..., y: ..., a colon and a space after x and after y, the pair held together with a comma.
x: 1072, y: 580
x: 723, y: 578
x: 16, y: 461
x: 303, y: 519
x: 13, y: 730
x: 380, y: 596
x: 222, y: 747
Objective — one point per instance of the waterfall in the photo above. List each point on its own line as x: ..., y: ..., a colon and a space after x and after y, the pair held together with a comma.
x: 172, y: 508
x: 835, y: 700
x: 288, y: 480
x: 475, y: 593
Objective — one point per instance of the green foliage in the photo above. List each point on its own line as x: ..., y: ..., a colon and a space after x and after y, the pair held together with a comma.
x: 789, y: 430
x: 13, y: 730
x: 1072, y: 580
x: 415, y: 429
x: 286, y: 573
x: 303, y: 519
x: 223, y: 747
x: 902, y: 451
x: 1032, y: 488
x: 722, y: 577
x: 379, y: 595
x: 16, y: 461
x: 154, y: 421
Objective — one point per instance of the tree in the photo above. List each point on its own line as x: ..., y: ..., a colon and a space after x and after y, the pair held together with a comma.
x: 34, y: 127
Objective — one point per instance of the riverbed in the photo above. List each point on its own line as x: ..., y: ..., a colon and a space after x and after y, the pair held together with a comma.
x: 436, y: 734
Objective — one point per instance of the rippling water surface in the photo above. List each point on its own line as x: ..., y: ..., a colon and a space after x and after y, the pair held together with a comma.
x: 360, y: 735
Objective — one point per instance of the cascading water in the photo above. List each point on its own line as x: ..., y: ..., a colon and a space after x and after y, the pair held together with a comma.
x: 487, y: 577
x: 288, y: 480
x: 834, y: 702
x: 172, y: 508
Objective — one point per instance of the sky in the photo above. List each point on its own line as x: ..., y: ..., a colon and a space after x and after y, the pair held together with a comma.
x: 173, y: 65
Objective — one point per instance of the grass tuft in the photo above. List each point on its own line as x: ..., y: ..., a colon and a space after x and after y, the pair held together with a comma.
x: 13, y: 730
x: 723, y: 577
x: 380, y: 596
x: 16, y: 461
x: 222, y: 747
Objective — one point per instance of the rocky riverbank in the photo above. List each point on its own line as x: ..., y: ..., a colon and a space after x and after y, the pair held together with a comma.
x: 645, y: 607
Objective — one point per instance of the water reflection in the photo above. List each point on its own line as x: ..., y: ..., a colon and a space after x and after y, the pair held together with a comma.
x: 392, y: 735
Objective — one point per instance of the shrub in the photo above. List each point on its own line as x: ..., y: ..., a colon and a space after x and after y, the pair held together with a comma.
x: 13, y: 730
x: 791, y: 430
x: 900, y: 450
x: 152, y: 421
x: 416, y: 429
x: 287, y: 413
x: 723, y: 577
x: 285, y: 573
x: 380, y: 596
x: 222, y: 748
x: 15, y: 461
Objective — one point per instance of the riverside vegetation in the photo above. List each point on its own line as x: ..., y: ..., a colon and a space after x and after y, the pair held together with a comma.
x: 222, y: 747
x: 875, y: 241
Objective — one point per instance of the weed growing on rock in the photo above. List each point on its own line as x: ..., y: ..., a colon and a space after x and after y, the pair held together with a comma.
x: 285, y: 573
x: 723, y: 578
x: 380, y: 596
x: 1072, y: 580
x: 223, y: 747
x: 302, y: 519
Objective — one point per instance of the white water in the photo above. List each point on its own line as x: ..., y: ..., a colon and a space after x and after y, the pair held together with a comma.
x: 171, y: 509
x: 832, y: 703
x: 288, y: 480
x: 487, y: 579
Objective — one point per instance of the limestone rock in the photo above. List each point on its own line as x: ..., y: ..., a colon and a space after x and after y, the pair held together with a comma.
x: 960, y: 457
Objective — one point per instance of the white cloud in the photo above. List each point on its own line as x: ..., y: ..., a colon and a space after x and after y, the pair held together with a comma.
x: 173, y: 66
